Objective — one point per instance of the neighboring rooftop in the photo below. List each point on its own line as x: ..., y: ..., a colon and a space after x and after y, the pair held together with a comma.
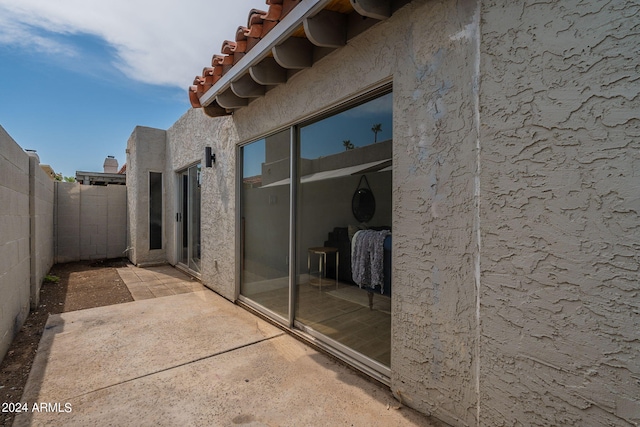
x: 111, y: 174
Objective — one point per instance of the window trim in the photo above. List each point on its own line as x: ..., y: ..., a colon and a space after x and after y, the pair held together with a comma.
x: 151, y: 248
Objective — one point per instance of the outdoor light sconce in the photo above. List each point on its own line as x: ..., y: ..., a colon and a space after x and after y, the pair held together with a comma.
x: 209, y: 157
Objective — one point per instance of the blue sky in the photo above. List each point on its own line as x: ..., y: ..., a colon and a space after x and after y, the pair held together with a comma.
x: 76, y: 76
x: 326, y: 136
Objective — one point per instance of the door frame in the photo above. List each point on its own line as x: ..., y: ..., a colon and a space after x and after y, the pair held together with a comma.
x: 182, y: 219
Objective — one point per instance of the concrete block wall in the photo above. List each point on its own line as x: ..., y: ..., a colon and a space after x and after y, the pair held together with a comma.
x: 41, y: 211
x: 42, y: 221
x: 91, y: 222
x: 67, y: 222
x: 26, y: 249
x: 116, y: 235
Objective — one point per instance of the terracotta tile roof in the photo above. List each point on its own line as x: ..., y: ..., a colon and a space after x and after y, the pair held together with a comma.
x: 253, y: 181
x: 331, y: 14
x: 259, y: 23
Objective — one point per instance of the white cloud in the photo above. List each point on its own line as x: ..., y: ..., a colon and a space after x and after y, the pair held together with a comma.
x: 164, y: 42
x: 18, y: 34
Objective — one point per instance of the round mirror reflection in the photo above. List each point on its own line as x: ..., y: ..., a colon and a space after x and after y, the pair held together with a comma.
x: 363, y: 204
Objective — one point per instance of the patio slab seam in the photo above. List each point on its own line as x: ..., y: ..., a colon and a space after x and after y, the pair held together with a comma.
x: 180, y: 365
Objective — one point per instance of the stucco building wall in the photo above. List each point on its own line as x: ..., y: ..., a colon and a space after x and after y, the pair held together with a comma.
x: 186, y: 142
x: 560, y: 161
x: 146, y: 150
x: 428, y: 51
x: 515, y: 208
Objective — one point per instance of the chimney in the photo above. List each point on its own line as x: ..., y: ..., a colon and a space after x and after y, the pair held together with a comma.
x: 110, y: 165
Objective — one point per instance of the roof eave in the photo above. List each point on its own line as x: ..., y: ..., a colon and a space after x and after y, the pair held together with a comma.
x: 280, y: 33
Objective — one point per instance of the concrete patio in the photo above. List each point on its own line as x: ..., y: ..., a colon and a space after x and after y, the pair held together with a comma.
x: 192, y: 358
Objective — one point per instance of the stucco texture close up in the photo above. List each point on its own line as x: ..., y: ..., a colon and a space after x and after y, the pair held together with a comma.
x: 434, y: 322
x: 186, y: 142
x: 560, y: 163
x: 146, y: 150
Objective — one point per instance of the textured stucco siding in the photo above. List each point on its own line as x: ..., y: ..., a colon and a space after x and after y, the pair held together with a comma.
x: 435, y: 245
x: 186, y: 142
x: 560, y: 187
x: 146, y: 152
x: 515, y: 202
x: 428, y: 51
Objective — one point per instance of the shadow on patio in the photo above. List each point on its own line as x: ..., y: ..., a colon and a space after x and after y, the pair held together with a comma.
x: 192, y: 358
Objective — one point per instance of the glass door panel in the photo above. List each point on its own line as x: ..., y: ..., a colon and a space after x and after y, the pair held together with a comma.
x: 188, y: 218
x: 181, y: 218
x: 194, y: 218
x: 265, y: 222
x: 339, y: 155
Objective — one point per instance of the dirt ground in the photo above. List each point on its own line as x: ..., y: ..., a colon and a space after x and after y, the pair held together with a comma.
x: 81, y: 285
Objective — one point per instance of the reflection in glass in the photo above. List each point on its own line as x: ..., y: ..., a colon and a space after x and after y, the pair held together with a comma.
x: 155, y: 210
x: 265, y: 222
x: 194, y: 217
x: 188, y: 218
x: 335, y: 153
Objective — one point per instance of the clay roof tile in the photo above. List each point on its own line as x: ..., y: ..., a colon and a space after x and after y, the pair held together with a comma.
x: 259, y: 23
x: 202, y: 84
x: 268, y: 26
x: 287, y: 6
x: 241, y: 46
x: 211, y: 75
x: 221, y: 60
x: 228, y: 47
x: 237, y: 57
x: 251, y: 42
x: 255, y: 31
x: 222, y: 63
x: 240, y: 33
x: 273, y: 14
x: 255, y: 17
x: 193, y: 97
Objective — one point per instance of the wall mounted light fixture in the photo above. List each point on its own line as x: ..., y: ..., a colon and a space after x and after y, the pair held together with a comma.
x: 209, y: 157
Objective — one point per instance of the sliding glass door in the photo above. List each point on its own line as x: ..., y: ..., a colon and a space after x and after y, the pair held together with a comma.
x: 344, y: 191
x: 335, y: 270
x: 188, y: 218
x: 265, y: 223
